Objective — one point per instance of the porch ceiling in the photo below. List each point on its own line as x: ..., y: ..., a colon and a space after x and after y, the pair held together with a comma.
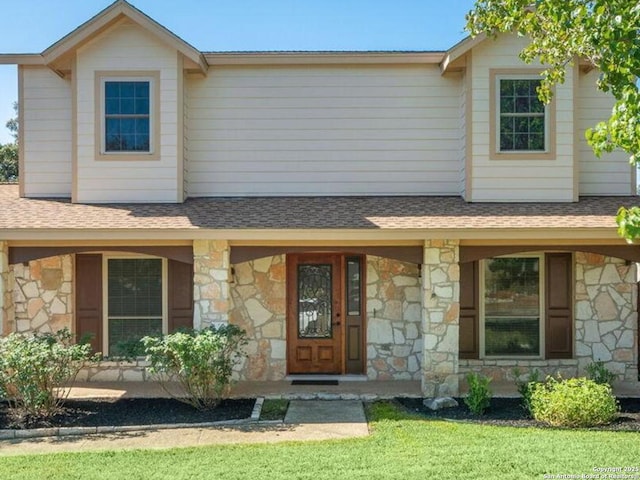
x: 399, y: 213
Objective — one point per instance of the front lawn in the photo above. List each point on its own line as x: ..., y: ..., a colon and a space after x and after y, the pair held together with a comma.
x: 401, y: 447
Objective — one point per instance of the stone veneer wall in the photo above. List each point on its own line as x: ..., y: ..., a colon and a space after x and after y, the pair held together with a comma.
x: 605, y: 328
x: 258, y: 305
x: 43, y: 295
x: 441, y: 318
x: 7, y: 285
x: 210, y: 282
x: 606, y: 314
x: 394, y: 330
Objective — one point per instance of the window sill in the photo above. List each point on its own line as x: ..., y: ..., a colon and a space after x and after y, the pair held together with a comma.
x: 518, y: 362
x: 523, y: 155
x: 127, y: 157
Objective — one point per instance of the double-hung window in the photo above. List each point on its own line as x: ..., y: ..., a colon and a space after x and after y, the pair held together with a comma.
x: 522, y: 116
x: 521, y: 124
x: 135, y: 306
x: 127, y: 116
x: 511, y: 306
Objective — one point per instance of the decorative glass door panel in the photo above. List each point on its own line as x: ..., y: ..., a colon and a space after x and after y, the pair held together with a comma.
x: 315, y: 309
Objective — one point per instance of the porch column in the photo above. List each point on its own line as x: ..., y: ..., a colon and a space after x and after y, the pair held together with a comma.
x: 210, y: 282
x: 440, y: 318
x: 7, y: 322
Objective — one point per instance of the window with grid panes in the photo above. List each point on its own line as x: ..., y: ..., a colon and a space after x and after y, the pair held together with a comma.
x: 522, y: 116
x: 134, y: 300
x: 127, y: 112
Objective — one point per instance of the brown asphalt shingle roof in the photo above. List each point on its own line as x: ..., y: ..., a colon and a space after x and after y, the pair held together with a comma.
x: 404, y: 212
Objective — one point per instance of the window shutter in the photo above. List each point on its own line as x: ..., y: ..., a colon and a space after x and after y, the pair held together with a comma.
x: 559, y: 312
x: 180, y: 286
x: 469, y: 310
x: 89, y: 299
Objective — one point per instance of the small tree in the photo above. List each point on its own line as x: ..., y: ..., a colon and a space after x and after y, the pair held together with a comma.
x: 9, y: 152
x: 200, y: 361
x: 9, y: 162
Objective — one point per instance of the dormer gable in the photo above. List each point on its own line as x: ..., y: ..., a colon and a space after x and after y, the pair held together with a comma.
x: 59, y: 56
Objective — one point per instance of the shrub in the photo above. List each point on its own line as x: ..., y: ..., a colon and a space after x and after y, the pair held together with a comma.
x: 479, y: 396
x: 600, y: 374
x: 33, y: 368
x: 526, y: 387
x: 576, y: 402
x: 200, y: 361
x: 127, y: 350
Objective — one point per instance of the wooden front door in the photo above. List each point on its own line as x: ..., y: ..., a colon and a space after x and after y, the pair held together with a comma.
x: 314, y: 314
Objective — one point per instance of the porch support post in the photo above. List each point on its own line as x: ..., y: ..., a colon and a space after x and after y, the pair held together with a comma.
x: 7, y: 321
x: 210, y: 282
x: 440, y: 318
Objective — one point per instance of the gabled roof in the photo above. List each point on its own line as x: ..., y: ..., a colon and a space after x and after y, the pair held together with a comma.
x: 109, y: 16
x: 459, y: 50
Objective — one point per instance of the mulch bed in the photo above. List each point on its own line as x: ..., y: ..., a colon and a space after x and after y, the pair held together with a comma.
x: 133, y: 411
x: 509, y: 412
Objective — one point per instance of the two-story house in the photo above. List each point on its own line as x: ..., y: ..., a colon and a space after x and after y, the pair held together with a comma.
x: 385, y: 215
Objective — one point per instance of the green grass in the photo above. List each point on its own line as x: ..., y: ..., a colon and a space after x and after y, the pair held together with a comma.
x: 402, y: 446
x: 274, y: 409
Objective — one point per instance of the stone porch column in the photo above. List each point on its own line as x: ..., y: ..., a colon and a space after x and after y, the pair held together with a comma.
x: 440, y: 317
x: 210, y: 282
x: 7, y: 322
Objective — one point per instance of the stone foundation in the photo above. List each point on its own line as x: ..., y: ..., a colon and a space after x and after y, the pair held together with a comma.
x: 394, y: 330
x: 108, y: 371
x: 504, y: 370
x: 43, y: 295
x: 258, y: 305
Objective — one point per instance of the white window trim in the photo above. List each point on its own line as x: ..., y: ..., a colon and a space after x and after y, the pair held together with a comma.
x: 542, y: 285
x: 105, y: 294
x: 547, y: 117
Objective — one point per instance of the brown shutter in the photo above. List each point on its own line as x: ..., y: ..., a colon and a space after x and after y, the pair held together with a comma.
x: 89, y: 299
x: 469, y: 310
x: 180, y: 287
x: 559, y: 320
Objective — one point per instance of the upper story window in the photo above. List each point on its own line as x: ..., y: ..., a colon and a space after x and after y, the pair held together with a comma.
x: 127, y: 107
x: 522, y: 116
x: 521, y: 125
x: 127, y: 116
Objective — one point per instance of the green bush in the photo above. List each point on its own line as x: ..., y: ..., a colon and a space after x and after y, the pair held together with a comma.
x: 600, y: 374
x: 526, y: 387
x: 200, y: 361
x: 576, y: 402
x: 33, y: 368
x: 479, y: 397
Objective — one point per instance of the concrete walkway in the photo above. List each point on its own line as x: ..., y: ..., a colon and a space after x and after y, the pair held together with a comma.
x: 305, y: 420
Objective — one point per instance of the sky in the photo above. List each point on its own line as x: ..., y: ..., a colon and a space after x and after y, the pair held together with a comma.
x: 237, y: 25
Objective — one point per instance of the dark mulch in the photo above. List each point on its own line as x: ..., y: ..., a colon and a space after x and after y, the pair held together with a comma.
x: 509, y: 412
x: 133, y: 411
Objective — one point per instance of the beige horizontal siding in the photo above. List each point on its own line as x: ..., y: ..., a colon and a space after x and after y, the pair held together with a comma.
x: 353, y: 130
x: 521, y: 179
x: 46, y: 126
x: 610, y: 174
x: 127, y: 48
